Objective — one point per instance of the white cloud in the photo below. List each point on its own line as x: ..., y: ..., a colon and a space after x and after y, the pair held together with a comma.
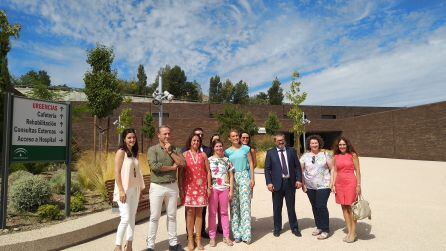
x: 65, y: 65
x: 410, y: 75
x: 249, y: 40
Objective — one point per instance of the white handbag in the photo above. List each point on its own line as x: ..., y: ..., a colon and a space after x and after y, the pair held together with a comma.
x: 361, y: 209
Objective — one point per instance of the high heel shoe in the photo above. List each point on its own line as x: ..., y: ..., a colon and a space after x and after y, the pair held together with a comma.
x: 351, y: 240
x: 198, y: 241
x: 190, y: 242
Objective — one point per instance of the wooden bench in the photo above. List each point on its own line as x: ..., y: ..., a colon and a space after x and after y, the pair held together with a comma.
x: 144, y: 202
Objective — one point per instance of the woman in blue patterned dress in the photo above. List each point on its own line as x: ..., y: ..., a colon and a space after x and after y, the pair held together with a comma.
x: 241, y: 160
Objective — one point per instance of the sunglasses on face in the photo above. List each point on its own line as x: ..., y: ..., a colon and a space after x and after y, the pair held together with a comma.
x: 313, y: 159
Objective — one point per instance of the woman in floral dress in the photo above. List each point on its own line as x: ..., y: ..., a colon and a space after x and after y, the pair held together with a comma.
x: 197, y: 184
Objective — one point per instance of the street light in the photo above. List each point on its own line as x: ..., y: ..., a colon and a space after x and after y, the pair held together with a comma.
x: 158, y: 97
x: 305, y: 121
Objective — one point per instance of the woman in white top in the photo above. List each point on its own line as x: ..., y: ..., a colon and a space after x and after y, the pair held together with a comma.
x: 128, y: 186
x: 316, y: 166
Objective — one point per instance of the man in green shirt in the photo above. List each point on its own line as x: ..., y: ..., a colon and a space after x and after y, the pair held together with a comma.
x: 164, y: 160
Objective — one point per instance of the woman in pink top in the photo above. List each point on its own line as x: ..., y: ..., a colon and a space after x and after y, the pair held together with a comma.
x: 128, y: 186
x: 346, y: 182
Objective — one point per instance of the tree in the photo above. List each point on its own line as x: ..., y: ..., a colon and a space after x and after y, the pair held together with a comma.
x: 102, y: 85
x: 249, y: 125
x: 125, y: 120
x: 295, y: 113
x: 241, y: 93
x: 215, y: 87
x: 41, y: 91
x: 272, y: 124
x: 32, y: 78
x: 39, y: 82
x: 6, y: 31
x: 147, y: 129
x: 193, y: 92
x: 142, y: 80
x: 233, y: 118
x: 227, y: 92
x: 174, y: 80
x: 275, y: 93
x: 260, y: 99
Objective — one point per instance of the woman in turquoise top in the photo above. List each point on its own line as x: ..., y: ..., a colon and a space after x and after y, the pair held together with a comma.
x: 241, y: 160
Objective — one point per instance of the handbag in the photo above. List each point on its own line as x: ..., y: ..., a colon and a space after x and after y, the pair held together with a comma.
x: 361, y: 209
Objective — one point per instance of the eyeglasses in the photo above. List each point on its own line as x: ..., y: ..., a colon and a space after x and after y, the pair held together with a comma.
x: 313, y: 159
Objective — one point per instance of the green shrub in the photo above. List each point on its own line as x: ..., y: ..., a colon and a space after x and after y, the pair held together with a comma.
x: 50, y: 212
x: 29, y: 192
x: 17, y: 175
x: 264, y: 143
x: 34, y: 168
x: 77, y: 203
x: 80, y: 196
x: 14, y: 167
x: 57, y: 183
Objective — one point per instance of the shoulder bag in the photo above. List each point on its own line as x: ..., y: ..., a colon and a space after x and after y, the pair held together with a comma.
x: 361, y: 209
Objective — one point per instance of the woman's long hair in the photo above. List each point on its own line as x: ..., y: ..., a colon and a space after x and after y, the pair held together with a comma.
x: 130, y: 152
x: 350, y: 149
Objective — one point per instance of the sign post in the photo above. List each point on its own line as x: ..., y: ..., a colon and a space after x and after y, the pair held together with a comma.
x: 36, y: 131
x: 5, y: 158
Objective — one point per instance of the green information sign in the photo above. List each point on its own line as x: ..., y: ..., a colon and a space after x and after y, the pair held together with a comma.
x: 38, y: 131
x: 34, y: 131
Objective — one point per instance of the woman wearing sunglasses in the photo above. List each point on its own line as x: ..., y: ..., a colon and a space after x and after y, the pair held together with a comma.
x: 316, y: 166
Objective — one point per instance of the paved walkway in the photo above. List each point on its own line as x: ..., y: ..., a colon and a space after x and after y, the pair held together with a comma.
x: 408, y: 201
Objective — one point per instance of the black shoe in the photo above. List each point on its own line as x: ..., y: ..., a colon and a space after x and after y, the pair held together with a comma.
x: 176, y: 248
x: 276, y: 233
x: 297, y: 233
x: 149, y: 249
x: 204, y: 235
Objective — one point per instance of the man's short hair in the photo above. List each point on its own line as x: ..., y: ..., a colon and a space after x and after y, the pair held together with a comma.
x: 197, y: 129
x: 164, y: 126
x: 278, y: 134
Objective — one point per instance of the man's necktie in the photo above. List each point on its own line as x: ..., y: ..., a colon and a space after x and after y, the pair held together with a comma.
x: 284, y: 167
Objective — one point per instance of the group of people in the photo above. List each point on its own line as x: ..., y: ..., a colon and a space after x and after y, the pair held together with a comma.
x: 215, y: 179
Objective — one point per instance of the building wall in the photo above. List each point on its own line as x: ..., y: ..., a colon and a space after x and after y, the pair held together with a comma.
x: 409, y: 133
x: 184, y: 117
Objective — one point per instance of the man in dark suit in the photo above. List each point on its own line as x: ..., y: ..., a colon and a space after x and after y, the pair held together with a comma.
x: 283, y: 176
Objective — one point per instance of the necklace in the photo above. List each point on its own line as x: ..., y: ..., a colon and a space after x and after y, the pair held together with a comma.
x: 195, y: 161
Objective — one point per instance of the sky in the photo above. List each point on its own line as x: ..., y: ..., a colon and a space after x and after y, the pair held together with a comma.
x: 348, y: 53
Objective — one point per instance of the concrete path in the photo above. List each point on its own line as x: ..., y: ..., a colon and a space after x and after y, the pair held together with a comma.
x: 408, y: 201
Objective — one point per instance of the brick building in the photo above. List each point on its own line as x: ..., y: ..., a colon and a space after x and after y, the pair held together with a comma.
x: 409, y: 133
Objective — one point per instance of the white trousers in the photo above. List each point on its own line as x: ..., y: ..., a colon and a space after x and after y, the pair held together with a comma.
x: 158, y: 194
x: 127, y: 211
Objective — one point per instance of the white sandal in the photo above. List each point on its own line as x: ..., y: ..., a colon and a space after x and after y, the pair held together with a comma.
x: 316, y: 232
x: 322, y: 236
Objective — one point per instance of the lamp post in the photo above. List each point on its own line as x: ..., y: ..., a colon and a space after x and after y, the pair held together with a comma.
x: 158, y: 97
x: 305, y: 122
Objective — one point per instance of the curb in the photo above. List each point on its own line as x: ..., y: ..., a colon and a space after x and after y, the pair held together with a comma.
x: 66, y: 234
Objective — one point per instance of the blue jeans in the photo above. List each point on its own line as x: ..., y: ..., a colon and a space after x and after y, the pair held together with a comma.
x: 318, y: 199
